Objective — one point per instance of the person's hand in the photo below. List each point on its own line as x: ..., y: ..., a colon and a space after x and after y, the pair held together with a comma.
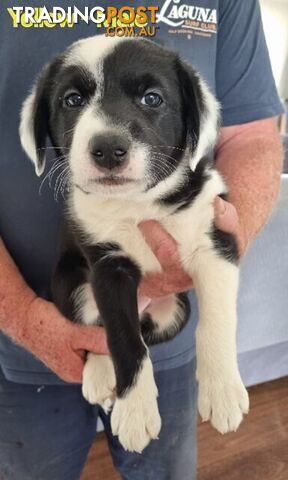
x: 59, y: 343
x: 173, y: 279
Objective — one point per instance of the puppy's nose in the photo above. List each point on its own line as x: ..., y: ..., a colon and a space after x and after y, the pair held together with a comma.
x: 109, y: 151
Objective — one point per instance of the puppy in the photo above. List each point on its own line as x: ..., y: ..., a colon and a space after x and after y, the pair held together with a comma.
x: 133, y: 125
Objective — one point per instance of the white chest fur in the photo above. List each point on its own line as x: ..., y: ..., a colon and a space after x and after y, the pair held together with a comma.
x: 116, y: 220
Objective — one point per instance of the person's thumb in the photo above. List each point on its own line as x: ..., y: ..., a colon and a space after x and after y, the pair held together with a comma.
x: 161, y: 242
x: 226, y: 217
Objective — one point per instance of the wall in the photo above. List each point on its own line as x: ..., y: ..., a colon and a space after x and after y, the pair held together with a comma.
x: 275, y: 21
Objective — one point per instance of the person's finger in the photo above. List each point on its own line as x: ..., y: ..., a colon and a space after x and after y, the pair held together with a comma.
x: 143, y: 302
x: 161, y: 242
x: 73, y: 374
x: 226, y: 217
x: 158, y: 285
x: 91, y: 339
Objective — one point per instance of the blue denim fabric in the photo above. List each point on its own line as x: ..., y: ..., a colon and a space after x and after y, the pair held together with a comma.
x: 46, y: 431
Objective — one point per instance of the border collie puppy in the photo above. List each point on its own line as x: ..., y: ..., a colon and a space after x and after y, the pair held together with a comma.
x: 133, y: 125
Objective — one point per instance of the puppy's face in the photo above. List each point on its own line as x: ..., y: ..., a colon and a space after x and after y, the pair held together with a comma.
x: 125, y: 114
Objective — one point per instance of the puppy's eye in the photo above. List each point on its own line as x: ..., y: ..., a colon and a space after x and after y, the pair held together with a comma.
x: 74, y: 100
x: 151, y: 99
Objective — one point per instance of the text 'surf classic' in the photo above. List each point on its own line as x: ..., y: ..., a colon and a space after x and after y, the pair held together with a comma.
x: 132, y: 125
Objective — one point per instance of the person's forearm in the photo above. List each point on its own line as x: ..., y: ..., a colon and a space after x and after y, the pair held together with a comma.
x: 39, y: 327
x: 15, y: 295
x: 251, y: 158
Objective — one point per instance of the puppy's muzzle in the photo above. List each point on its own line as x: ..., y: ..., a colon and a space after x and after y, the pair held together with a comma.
x: 109, y: 151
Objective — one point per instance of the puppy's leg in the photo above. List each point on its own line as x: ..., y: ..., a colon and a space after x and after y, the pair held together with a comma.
x: 222, y: 396
x: 73, y: 295
x: 98, y: 383
x: 68, y: 278
x: 135, y: 417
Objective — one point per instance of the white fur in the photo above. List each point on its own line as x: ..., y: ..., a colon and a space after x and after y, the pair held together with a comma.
x: 222, y: 396
x: 135, y: 417
x: 208, y: 126
x: 27, y: 132
x: 92, y: 50
x: 86, y: 309
x: 99, y: 382
x: 105, y: 220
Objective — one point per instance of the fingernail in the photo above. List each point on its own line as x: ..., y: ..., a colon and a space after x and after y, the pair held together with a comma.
x: 221, y: 206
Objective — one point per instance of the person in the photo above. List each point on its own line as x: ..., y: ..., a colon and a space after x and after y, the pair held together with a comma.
x: 47, y: 427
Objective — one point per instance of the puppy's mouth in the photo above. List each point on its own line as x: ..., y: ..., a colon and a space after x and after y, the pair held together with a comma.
x: 113, y: 180
x: 109, y: 181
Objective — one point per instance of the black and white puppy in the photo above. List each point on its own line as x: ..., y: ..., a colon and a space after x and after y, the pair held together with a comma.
x: 132, y: 125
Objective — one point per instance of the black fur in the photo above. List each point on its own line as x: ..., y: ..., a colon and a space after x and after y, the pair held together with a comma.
x: 50, y: 117
x: 161, y: 128
x: 115, y: 281
x: 189, y: 188
x: 225, y: 244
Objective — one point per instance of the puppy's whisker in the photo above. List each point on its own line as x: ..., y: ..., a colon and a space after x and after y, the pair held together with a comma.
x: 65, y: 184
x: 163, y: 170
x: 52, y: 172
x: 57, y: 161
x: 165, y: 155
x: 56, y: 165
x: 60, y: 175
x: 162, y: 160
x: 69, y: 131
x: 54, y: 148
x: 58, y: 183
x: 162, y: 167
x: 49, y: 175
x: 169, y: 146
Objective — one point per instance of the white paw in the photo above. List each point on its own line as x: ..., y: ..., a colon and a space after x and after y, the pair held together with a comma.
x: 223, y: 402
x: 135, y: 418
x: 99, y: 381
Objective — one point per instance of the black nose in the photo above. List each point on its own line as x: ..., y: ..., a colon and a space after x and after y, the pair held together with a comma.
x: 109, y: 151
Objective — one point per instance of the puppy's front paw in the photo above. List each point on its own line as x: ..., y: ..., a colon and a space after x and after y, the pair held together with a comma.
x: 99, y: 381
x: 223, y: 402
x: 135, y: 418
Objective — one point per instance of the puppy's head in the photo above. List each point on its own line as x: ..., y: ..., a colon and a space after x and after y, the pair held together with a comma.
x: 125, y: 114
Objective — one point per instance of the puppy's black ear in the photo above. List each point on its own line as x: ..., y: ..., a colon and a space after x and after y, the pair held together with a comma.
x: 34, y: 124
x: 201, y: 111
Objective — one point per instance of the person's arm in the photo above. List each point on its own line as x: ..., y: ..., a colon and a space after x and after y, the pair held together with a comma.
x: 39, y: 327
x: 250, y: 157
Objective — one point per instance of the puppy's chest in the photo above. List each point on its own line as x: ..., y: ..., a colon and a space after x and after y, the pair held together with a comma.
x: 117, y: 222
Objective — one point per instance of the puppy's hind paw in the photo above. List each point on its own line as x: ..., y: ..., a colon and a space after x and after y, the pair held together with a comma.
x: 223, y: 403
